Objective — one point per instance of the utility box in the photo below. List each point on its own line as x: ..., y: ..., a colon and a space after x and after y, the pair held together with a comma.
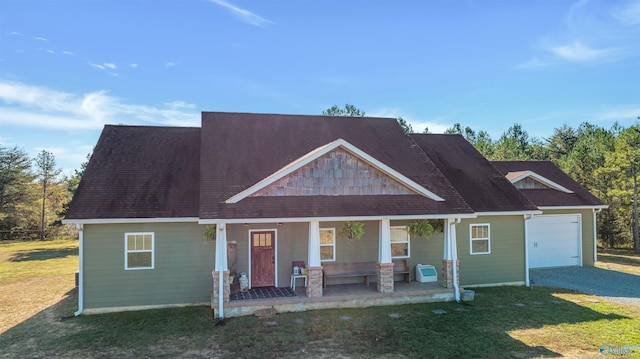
x: 426, y: 273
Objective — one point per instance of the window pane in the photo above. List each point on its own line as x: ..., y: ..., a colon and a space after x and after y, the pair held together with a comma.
x: 147, y: 242
x: 399, y: 234
x: 326, y: 253
x: 139, y: 259
x: 480, y: 231
x: 326, y: 236
x: 131, y: 242
x: 399, y: 250
x: 480, y: 246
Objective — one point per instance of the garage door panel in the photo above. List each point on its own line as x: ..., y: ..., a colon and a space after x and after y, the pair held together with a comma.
x: 554, y: 241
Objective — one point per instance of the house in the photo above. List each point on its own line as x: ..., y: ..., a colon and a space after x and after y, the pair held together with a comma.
x: 279, y: 189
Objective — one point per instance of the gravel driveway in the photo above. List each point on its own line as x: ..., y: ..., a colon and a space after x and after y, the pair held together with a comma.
x: 611, y: 285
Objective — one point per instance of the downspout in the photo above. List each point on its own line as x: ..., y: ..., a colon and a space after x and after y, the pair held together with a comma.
x: 80, y: 270
x: 221, y: 295
x: 595, y: 235
x: 454, y: 254
x: 527, y: 217
x: 221, y: 265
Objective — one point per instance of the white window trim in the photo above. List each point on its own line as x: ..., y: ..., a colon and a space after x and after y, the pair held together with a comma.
x: 408, y: 242
x: 471, y: 239
x: 127, y: 251
x: 333, y: 230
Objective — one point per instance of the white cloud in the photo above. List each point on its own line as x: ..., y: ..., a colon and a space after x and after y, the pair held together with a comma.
x: 68, y: 52
x: 243, y: 15
x: 133, y: 66
x: 581, y: 53
x: 15, y: 33
x: 34, y: 106
x: 618, y: 113
x: 628, y: 15
x: 104, y: 66
x: 40, y: 39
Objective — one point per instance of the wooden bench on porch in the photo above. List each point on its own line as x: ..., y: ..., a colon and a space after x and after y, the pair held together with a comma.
x: 361, y: 269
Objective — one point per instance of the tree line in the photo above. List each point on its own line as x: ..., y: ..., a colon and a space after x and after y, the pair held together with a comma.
x: 34, y: 195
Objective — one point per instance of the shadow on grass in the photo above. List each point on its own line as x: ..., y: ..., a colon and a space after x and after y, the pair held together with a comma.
x: 480, y: 329
x: 43, y: 254
x: 620, y: 258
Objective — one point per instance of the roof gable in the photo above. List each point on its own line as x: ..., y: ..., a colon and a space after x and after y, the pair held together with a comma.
x: 577, y: 196
x: 532, y: 180
x: 242, y: 150
x: 337, y: 168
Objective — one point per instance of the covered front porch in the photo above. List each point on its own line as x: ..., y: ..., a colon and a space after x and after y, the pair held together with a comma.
x: 293, y: 241
x: 343, y: 296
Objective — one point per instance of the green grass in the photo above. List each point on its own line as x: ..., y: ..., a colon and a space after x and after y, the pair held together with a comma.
x: 551, y: 323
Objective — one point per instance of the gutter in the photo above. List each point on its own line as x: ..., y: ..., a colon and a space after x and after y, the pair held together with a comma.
x: 80, y: 271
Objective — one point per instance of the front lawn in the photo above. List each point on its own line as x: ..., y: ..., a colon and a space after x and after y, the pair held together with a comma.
x: 506, y: 322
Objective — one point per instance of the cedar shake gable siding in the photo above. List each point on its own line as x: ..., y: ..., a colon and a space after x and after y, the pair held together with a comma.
x: 140, y: 172
x: 483, y: 187
x: 239, y: 150
x: 550, y: 197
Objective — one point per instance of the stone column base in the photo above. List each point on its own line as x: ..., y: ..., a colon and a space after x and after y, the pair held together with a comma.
x: 385, y: 277
x: 447, y: 273
x: 216, y: 288
x: 314, y: 281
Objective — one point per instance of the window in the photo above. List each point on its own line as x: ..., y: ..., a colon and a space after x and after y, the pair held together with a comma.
x: 480, y: 239
x: 138, y: 250
x: 327, y: 244
x: 400, y: 242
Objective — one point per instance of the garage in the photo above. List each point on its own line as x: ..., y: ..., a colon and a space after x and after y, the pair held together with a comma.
x: 554, y: 241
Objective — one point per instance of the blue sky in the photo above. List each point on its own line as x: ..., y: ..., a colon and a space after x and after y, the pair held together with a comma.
x: 69, y: 67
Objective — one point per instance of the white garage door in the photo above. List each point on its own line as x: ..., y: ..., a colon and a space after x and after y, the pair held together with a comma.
x: 554, y: 241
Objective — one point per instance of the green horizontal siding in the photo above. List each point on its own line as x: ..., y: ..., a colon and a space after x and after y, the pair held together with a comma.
x: 182, y: 273
x: 505, y: 263
x: 586, y: 230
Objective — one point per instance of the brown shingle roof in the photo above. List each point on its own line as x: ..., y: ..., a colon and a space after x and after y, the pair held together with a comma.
x: 240, y: 149
x: 480, y: 184
x: 140, y: 172
x: 550, y: 197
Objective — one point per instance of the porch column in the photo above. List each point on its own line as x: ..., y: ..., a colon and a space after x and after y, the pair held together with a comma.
x: 385, y: 265
x: 450, y: 254
x: 314, y: 266
x: 220, y: 285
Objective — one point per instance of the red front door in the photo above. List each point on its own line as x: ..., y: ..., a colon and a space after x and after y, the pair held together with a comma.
x: 263, y: 260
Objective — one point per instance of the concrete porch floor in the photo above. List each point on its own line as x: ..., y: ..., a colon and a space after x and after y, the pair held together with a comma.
x: 343, y: 296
